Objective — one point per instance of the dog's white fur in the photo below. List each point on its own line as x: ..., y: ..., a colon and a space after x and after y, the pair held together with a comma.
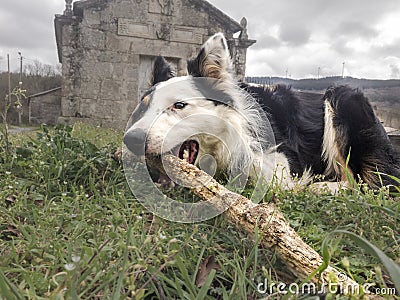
x: 233, y: 135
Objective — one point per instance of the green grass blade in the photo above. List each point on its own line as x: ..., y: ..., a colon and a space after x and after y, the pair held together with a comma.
x: 117, y: 292
x: 7, y: 289
x: 185, y: 275
x: 392, y: 268
x: 203, y: 291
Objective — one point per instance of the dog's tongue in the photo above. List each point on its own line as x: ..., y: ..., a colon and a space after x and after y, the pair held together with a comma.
x: 189, y: 151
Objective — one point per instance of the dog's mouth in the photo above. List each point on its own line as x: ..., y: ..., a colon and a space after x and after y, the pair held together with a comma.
x: 188, y: 151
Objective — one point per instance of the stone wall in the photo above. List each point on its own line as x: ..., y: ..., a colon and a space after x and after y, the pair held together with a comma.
x: 44, y: 108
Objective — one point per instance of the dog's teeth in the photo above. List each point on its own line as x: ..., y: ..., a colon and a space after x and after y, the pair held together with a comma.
x: 186, y: 154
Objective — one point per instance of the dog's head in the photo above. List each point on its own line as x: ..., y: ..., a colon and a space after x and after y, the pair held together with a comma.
x: 177, y: 108
x: 192, y: 116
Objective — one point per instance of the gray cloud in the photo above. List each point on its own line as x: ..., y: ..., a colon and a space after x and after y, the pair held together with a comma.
x: 267, y: 41
x: 27, y: 26
x: 356, y: 29
x: 317, y: 33
x: 294, y: 35
x: 395, y: 71
x: 339, y: 45
x: 390, y: 49
x: 16, y: 35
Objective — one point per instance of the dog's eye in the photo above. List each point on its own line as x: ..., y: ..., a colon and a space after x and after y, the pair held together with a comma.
x: 179, y: 105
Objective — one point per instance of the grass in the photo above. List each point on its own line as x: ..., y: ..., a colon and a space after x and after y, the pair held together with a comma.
x: 70, y: 228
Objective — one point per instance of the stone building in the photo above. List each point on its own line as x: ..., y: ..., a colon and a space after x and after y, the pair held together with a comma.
x: 106, y: 48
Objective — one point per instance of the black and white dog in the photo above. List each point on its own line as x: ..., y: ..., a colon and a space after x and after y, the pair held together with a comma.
x: 334, y: 135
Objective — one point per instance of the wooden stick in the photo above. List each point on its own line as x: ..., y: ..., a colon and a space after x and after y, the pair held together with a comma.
x: 301, y: 259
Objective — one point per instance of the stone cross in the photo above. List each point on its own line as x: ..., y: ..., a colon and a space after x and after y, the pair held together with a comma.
x: 68, y: 8
x: 243, y: 33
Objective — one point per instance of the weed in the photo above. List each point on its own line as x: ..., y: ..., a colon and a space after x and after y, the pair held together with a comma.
x: 70, y: 228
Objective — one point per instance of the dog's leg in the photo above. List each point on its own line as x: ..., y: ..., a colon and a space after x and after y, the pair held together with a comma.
x: 351, y: 128
x: 330, y: 187
x: 335, y: 140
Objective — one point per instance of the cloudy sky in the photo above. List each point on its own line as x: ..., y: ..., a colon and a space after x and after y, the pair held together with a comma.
x: 297, y: 36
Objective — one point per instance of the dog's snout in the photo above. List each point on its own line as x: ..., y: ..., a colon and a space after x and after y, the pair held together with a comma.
x: 135, y: 141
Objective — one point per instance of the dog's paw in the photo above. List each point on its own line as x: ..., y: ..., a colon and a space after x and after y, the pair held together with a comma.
x: 328, y: 187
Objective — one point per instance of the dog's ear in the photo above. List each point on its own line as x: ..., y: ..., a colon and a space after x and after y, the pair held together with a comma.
x: 213, y: 60
x: 162, y: 70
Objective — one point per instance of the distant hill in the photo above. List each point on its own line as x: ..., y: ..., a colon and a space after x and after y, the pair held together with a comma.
x: 323, y: 83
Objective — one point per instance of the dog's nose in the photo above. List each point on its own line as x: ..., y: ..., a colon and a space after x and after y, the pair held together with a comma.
x: 135, y: 140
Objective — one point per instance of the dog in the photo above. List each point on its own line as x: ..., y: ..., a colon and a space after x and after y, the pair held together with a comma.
x: 273, y: 133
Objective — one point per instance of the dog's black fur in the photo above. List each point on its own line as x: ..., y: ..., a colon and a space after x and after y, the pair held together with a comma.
x: 162, y: 71
x: 297, y: 119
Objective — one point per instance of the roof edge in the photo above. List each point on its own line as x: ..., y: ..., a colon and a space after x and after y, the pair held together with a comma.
x: 232, y: 24
x: 59, y: 22
x: 45, y: 92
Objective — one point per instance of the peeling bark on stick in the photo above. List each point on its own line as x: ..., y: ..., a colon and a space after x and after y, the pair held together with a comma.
x: 275, y: 231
